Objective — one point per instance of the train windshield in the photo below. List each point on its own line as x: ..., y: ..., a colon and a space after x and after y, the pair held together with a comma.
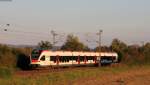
x: 35, y: 54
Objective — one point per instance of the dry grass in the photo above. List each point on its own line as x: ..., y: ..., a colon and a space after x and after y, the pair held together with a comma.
x: 76, y: 76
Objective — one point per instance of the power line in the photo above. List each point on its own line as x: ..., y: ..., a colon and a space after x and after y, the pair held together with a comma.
x: 59, y: 36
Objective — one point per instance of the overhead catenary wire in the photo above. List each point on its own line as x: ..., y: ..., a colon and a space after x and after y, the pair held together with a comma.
x: 61, y: 36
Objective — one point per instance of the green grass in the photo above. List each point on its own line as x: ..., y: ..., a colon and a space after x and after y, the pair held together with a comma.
x: 5, y: 72
x: 64, y: 77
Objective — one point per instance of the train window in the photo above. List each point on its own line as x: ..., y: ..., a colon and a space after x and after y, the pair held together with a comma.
x: 64, y: 58
x: 53, y: 58
x: 60, y: 59
x: 43, y: 58
x: 81, y: 58
x: 35, y: 54
x: 74, y: 58
x: 70, y: 57
x: 89, y: 58
x: 107, y: 57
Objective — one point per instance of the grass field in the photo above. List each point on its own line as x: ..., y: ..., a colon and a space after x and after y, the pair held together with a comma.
x: 67, y: 77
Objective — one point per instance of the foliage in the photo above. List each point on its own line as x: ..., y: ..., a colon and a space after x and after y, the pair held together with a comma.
x: 72, y: 43
x: 23, y: 61
x: 45, y: 45
x: 103, y: 49
x: 7, y: 56
x: 11, y: 57
x: 128, y: 54
x: 131, y: 54
x: 119, y: 47
x: 146, y: 52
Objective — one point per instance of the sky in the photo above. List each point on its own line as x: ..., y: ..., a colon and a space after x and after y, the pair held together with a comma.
x: 32, y: 20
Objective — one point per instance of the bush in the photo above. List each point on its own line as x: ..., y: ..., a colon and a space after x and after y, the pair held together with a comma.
x: 23, y: 62
x: 14, y: 57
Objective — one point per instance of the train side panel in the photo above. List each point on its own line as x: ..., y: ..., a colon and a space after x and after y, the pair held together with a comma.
x: 68, y: 58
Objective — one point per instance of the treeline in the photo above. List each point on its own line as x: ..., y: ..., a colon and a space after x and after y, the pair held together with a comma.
x: 11, y: 57
x: 128, y: 54
x: 131, y: 54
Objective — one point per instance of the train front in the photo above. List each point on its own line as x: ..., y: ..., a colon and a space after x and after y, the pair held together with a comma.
x: 34, y: 58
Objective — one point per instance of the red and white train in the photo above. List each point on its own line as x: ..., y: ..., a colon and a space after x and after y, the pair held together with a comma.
x: 69, y: 58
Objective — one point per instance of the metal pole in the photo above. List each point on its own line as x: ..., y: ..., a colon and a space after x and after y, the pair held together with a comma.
x: 54, y: 41
x: 100, y: 33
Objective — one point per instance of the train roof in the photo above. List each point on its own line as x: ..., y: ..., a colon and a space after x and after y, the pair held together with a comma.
x: 77, y: 53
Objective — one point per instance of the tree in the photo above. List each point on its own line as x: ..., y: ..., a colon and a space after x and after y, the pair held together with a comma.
x: 45, y: 45
x: 119, y: 47
x: 72, y: 43
x: 146, y: 52
x: 103, y: 49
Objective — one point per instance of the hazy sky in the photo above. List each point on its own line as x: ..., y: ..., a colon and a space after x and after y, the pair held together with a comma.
x: 128, y: 20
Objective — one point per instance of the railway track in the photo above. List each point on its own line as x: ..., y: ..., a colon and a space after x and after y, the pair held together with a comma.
x: 46, y: 70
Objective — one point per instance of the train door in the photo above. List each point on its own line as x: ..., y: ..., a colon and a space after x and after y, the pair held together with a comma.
x: 44, y: 61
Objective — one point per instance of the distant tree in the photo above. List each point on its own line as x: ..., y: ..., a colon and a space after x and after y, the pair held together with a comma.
x: 134, y: 50
x: 72, y: 43
x: 86, y: 48
x: 119, y: 47
x: 45, y: 45
x: 103, y: 49
x: 146, y: 52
